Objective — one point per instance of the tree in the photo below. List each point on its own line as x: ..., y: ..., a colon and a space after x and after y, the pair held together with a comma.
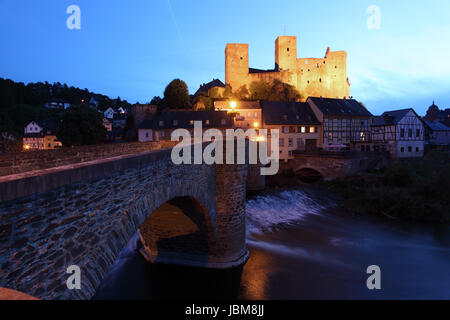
x: 81, y: 125
x: 176, y: 95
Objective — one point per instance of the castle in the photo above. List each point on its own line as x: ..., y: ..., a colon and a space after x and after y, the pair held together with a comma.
x: 316, y: 77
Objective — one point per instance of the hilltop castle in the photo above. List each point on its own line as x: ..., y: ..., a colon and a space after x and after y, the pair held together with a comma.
x: 317, y: 77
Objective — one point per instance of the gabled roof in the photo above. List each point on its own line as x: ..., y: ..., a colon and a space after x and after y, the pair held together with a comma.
x: 436, y: 126
x: 391, y: 117
x: 288, y: 113
x: 340, y: 107
x: 208, y: 86
x: 182, y: 119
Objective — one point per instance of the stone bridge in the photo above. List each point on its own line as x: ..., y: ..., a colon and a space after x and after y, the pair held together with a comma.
x: 330, y: 165
x: 83, y: 214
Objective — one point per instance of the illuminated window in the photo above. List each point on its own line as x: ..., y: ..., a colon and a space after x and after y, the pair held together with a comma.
x: 191, y: 122
x: 303, y: 129
x: 207, y: 122
x: 312, y: 129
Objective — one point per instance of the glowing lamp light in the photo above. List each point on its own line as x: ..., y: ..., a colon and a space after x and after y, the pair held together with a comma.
x: 256, y: 124
x: 260, y: 139
x: 233, y: 104
x: 27, y: 147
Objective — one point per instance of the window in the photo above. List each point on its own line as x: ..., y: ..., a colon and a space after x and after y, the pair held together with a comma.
x: 175, y: 122
x: 299, y: 142
x: 146, y: 134
x: 191, y: 122
x: 287, y: 49
x: 303, y: 129
x: 417, y: 149
x: 339, y: 123
x: 402, y: 133
x: 290, y: 142
x: 223, y: 121
x: 256, y: 114
x: 162, y: 134
x: 282, y: 142
x: 207, y: 122
x: 312, y: 129
x: 417, y: 133
x: 409, y: 133
x: 330, y: 124
x: 402, y: 149
x: 161, y: 123
x: 409, y: 149
x: 330, y: 135
x: 291, y: 129
x: 285, y: 129
x: 285, y: 117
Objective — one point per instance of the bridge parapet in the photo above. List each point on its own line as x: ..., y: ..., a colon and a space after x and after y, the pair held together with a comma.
x: 84, y: 214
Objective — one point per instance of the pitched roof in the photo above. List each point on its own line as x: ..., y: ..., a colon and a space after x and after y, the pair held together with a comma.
x: 391, y: 117
x: 340, y: 107
x: 437, y: 126
x: 182, y: 119
x: 208, y: 86
x: 288, y: 113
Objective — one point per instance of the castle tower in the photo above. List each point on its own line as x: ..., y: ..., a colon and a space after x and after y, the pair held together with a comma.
x: 236, y: 65
x: 286, y: 53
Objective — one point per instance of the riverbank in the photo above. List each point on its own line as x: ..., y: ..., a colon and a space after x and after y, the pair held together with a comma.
x: 410, y: 189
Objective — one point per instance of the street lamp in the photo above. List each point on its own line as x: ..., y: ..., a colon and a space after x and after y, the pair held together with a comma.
x: 233, y: 105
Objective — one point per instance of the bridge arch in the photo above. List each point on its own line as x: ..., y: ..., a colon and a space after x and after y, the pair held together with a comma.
x: 309, y: 175
x: 179, y: 232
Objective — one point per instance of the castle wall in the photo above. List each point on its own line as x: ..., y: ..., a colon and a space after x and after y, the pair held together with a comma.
x: 318, y: 77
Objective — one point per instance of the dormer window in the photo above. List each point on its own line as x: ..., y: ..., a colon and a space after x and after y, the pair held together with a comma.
x: 175, y: 122
x: 191, y: 122
x: 161, y: 123
x: 223, y: 121
x: 207, y: 122
x: 285, y: 117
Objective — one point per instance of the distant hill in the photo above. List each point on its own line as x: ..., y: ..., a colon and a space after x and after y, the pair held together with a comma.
x: 21, y: 103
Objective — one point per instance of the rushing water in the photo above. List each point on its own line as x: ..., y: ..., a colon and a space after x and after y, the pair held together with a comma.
x: 303, y: 246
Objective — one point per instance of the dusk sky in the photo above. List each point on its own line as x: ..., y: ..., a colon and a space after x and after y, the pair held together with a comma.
x: 133, y: 49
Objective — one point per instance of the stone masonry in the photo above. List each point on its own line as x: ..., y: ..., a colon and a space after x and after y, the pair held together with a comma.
x: 84, y: 214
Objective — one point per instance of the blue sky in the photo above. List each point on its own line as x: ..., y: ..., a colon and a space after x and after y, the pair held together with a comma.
x: 133, y: 48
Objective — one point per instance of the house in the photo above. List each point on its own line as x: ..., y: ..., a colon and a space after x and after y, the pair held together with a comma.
x: 345, y: 122
x: 40, y: 135
x: 248, y: 114
x: 109, y: 113
x: 298, y: 126
x: 400, y: 132
x: 204, y: 88
x: 94, y: 102
x: 57, y: 104
x: 119, y: 120
x: 162, y: 126
x: 107, y: 124
x: 437, y: 133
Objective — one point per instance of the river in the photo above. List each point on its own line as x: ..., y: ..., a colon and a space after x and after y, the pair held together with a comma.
x: 302, y: 246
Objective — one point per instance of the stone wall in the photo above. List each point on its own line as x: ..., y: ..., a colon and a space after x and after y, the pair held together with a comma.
x: 88, y: 220
x: 18, y: 162
x: 84, y: 214
x: 333, y: 165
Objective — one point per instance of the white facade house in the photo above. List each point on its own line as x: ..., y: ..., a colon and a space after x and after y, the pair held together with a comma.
x: 145, y: 132
x: 400, y: 132
x: 33, y: 127
x: 109, y: 113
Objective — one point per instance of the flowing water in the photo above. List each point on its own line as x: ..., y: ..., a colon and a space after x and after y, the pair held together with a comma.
x: 302, y: 246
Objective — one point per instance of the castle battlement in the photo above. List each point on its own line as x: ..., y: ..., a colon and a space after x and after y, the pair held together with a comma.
x: 316, y: 77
